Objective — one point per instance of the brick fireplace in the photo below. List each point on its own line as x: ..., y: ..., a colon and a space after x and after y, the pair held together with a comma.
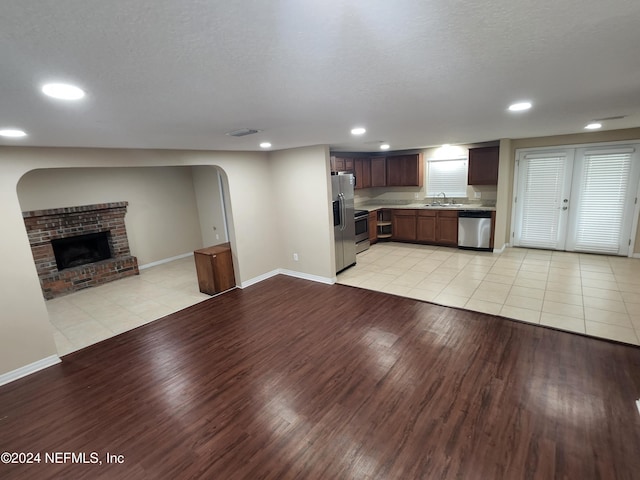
x: 79, y: 247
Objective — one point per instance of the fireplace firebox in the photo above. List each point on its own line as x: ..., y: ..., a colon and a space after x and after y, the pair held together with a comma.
x: 81, y: 249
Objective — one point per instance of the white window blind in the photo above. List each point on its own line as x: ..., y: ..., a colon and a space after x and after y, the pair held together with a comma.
x: 448, y: 176
x: 603, y: 189
x: 542, y: 193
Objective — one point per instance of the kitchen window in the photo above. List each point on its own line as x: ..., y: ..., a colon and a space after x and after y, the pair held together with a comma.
x: 448, y: 176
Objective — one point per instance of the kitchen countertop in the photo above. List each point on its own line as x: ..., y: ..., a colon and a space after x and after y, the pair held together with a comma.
x: 422, y: 206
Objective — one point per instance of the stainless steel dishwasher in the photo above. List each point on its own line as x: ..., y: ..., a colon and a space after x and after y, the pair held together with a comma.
x: 474, y: 230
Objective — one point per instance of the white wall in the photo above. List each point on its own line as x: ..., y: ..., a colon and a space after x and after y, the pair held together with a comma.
x: 302, y: 194
x: 162, y: 217
x: 210, y: 205
x: 25, y: 332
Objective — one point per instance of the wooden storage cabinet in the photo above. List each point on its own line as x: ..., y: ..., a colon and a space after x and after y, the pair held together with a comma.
x: 439, y: 227
x: 405, y: 170
x: 214, y: 266
x: 426, y: 226
x: 389, y: 171
x: 373, y: 227
x: 378, y: 171
x: 483, y: 166
x: 342, y: 164
x: 384, y: 225
x: 404, y: 225
x: 362, y: 169
x: 447, y: 228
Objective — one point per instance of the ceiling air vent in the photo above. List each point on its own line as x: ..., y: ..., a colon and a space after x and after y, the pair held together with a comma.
x: 242, y: 132
x: 617, y: 117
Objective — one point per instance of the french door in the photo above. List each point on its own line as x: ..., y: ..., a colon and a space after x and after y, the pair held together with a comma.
x: 577, y: 199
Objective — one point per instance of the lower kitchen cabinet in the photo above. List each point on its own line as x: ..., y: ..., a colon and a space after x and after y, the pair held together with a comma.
x: 404, y: 225
x: 384, y: 224
x: 447, y: 228
x: 426, y: 226
x: 373, y: 227
x: 438, y: 227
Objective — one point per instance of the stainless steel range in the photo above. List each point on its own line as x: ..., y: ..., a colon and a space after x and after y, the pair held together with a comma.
x: 362, y: 230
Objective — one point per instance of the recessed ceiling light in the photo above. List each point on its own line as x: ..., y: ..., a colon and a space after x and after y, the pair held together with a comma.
x: 520, y: 106
x: 593, y: 126
x: 12, y: 132
x: 384, y: 146
x: 358, y: 131
x: 265, y: 145
x: 63, y: 91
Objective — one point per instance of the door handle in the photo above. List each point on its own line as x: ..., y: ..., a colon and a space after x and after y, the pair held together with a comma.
x: 565, y: 208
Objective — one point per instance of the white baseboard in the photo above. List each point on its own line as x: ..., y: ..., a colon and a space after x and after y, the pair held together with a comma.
x: 260, y: 278
x: 164, y: 260
x: 29, y: 369
x: 635, y: 255
x: 307, y: 276
x: 290, y: 273
x: 500, y: 250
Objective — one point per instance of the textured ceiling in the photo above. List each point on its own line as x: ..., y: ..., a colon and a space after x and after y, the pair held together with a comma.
x: 179, y: 74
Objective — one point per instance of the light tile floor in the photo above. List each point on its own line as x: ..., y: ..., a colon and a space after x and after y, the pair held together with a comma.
x: 595, y: 295
x: 90, y: 316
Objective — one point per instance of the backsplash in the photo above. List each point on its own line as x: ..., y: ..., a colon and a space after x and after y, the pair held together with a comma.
x: 407, y: 195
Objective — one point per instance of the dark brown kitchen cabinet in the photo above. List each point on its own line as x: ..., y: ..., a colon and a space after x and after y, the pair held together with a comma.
x: 405, y: 170
x: 447, y: 228
x: 483, y: 166
x: 373, y: 226
x: 341, y: 164
x: 378, y: 171
x: 426, y: 226
x: 362, y: 169
x: 438, y: 227
x: 404, y: 225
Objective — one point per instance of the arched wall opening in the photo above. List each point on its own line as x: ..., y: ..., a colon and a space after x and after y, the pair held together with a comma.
x: 172, y: 210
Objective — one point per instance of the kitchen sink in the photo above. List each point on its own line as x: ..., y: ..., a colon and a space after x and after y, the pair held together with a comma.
x: 454, y: 205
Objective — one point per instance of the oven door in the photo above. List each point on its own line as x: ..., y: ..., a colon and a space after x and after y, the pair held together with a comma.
x: 362, y: 228
x: 362, y: 233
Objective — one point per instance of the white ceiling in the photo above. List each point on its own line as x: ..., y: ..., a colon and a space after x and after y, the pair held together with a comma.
x: 415, y: 73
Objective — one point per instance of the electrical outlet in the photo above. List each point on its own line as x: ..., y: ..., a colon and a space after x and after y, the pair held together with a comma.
x: 478, y: 195
x: 217, y: 237
x: 295, y: 257
x: 416, y: 196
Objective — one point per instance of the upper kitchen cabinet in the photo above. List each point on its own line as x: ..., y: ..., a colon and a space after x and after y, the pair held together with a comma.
x: 362, y: 169
x: 483, y: 166
x: 378, y: 171
x: 405, y: 170
x: 342, y: 164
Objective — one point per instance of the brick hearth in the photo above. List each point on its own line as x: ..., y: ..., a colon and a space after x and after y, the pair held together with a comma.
x: 46, y: 225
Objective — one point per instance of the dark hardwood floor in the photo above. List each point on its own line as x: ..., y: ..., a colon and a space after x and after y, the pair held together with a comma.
x: 293, y: 379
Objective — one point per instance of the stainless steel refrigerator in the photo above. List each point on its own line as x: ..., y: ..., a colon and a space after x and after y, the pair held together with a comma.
x: 344, y: 230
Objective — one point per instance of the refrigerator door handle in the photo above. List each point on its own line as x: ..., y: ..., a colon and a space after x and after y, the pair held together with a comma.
x: 343, y: 212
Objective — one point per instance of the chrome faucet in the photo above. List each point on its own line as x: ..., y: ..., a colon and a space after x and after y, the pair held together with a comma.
x: 444, y: 198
